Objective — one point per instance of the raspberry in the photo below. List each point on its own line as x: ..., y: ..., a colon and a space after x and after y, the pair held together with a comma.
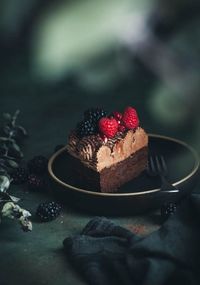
x: 35, y: 182
x: 117, y: 115
x: 86, y: 128
x: 130, y: 118
x: 19, y: 176
x: 48, y: 211
x: 121, y: 128
x: 38, y: 164
x: 108, y: 127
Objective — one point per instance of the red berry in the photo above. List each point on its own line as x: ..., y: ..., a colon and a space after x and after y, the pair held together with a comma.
x: 130, y: 118
x: 108, y: 127
x: 121, y: 128
x: 117, y: 115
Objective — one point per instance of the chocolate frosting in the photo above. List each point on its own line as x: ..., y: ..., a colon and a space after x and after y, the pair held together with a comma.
x: 97, y: 154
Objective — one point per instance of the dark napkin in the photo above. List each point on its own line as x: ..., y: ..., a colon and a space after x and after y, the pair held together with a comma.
x: 105, y: 253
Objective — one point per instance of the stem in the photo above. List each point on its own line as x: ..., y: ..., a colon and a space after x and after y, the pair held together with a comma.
x: 13, y: 123
x: 14, y: 118
x: 6, y: 152
x: 10, y: 208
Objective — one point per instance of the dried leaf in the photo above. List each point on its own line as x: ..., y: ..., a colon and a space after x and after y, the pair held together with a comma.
x: 7, y: 210
x: 6, y: 197
x: 26, y: 224
x: 14, y: 199
x: 4, y: 183
x: 10, y: 151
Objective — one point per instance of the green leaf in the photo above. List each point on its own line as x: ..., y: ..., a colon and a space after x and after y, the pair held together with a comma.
x: 22, y: 130
x: 15, y: 151
x: 12, y: 163
x: 7, y: 116
x: 16, y: 147
x: 4, y: 139
x: 6, y: 129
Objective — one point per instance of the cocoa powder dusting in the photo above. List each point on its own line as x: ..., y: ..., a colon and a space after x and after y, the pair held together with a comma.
x: 138, y: 229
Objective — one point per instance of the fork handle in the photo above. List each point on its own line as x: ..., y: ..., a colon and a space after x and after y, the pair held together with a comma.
x: 170, y: 191
x: 166, y: 197
x: 167, y: 187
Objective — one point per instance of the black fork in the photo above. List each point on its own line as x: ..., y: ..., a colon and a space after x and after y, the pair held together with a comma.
x: 158, y: 167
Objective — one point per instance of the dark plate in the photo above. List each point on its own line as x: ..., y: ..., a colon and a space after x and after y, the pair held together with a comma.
x: 140, y: 194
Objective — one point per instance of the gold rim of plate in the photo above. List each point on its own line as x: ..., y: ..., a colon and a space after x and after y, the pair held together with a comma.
x: 90, y: 192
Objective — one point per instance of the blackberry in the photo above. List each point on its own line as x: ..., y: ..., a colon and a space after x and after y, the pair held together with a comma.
x: 168, y: 210
x: 86, y: 128
x: 38, y: 164
x: 48, y: 211
x: 94, y: 114
x: 19, y: 176
x: 35, y: 182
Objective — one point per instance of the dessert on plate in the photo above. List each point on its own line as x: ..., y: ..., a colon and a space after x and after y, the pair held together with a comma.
x: 106, y: 151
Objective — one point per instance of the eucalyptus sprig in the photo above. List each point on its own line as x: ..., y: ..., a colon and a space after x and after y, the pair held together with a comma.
x: 12, y: 135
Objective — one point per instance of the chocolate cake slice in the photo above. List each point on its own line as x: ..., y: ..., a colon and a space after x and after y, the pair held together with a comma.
x: 114, y: 154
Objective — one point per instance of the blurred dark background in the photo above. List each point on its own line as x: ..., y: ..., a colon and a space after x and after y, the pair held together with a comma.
x: 60, y: 57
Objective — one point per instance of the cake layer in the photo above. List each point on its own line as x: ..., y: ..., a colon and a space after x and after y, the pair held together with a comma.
x: 122, y: 172
x: 111, y: 178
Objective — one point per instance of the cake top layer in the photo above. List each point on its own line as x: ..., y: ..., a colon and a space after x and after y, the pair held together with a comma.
x: 102, y: 140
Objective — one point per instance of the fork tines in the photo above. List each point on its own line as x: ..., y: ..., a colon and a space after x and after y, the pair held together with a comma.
x: 157, y: 165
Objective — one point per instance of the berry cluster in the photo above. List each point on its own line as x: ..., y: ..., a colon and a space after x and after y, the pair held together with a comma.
x: 118, y: 122
x: 48, y: 211
x: 97, y: 121
x: 168, y: 210
x: 33, y: 174
x: 19, y: 176
x: 38, y: 164
x: 89, y: 125
x: 86, y: 128
x: 94, y: 114
x: 36, y: 182
x: 34, y: 177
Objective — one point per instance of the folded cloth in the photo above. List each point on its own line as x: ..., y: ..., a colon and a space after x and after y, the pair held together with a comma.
x: 105, y: 253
